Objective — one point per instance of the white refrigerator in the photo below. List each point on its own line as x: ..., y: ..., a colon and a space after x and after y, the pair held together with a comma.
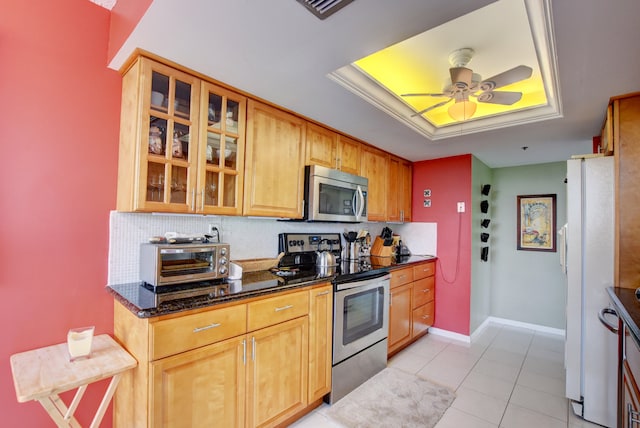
x: 587, y: 254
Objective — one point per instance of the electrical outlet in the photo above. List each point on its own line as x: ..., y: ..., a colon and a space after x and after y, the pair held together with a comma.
x: 460, y: 207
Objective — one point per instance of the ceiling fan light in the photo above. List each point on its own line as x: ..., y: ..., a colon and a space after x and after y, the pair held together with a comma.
x: 462, y: 110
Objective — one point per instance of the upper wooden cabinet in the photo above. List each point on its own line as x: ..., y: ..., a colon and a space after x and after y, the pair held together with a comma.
x: 330, y: 149
x: 274, y: 165
x: 348, y: 155
x: 322, y: 146
x: 625, y: 128
x: 399, y: 190
x: 221, y: 156
x: 374, y: 166
x: 181, y: 143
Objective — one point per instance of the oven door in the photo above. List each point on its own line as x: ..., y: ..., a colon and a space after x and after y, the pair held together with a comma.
x: 361, y: 316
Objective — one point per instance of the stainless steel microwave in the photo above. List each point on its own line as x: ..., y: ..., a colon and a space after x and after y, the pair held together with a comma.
x: 165, y: 264
x: 332, y: 195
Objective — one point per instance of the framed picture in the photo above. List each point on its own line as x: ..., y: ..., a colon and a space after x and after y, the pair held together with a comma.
x: 537, y: 222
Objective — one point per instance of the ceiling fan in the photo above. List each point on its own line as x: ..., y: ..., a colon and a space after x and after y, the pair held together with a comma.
x: 465, y: 83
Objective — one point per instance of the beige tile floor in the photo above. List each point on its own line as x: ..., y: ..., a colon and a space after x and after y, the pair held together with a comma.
x: 509, y: 377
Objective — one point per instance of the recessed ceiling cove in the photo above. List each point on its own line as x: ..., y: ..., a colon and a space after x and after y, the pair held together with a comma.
x: 492, y: 68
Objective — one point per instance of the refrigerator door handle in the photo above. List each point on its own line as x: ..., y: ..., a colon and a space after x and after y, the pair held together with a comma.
x: 601, y: 316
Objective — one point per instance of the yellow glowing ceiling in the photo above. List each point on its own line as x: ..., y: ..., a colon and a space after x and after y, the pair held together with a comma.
x: 503, y: 35
x: 396, y: 69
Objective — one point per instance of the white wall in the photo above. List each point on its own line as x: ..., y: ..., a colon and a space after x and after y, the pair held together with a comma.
x: 248, y: 237
x: 527, y: 286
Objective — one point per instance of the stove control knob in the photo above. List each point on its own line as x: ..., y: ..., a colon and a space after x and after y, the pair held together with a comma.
x: 222, y: 270
x: 292, y: 243
x: 301, y: 242
x: 222, y: 261
x: 223, y: 251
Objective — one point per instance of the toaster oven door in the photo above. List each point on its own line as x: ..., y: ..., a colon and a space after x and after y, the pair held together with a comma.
x: 178, y: 265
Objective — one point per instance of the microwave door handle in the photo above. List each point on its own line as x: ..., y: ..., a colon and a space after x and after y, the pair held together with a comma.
x: 361, y: 208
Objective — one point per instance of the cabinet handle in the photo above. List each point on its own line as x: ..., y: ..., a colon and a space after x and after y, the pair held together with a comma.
x: 193, y: 199
x: 426, y: 290
x: 324, y: 293
x: 202, y: 197
x: 206, y: 327
x: 253, y: 349
x: 390, y: 299
x: 403, y: 276
x: 284, y: 308
x: 244, y: 351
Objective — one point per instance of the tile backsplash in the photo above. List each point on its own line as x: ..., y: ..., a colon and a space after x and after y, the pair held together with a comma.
x: 248, y: 237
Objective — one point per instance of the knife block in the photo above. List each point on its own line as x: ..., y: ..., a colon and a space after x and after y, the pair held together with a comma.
x: 378, y: 249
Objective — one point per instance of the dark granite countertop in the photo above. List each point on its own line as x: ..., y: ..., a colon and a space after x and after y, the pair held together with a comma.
x: 627, y: 306
x: 146, y: 302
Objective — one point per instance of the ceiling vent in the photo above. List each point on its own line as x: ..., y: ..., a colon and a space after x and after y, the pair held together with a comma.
x: 324, y: 8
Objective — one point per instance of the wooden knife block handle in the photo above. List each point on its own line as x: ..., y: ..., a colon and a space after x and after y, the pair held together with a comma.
x: 378, y: 249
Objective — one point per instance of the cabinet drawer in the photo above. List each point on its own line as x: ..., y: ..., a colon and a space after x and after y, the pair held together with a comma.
x: 424, y: 270
x: 423, y: 291
x: 177, y: 335
x: 423, y: 318
x: 401, y: 276
x: 275, y: 310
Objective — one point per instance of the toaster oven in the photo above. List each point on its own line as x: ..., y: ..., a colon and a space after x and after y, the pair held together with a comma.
x: 165, y: 264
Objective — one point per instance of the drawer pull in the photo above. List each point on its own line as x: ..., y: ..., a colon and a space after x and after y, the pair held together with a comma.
x: 324, y: 293
x: 283, y: 308
x: 206, y: 327
x: 426, y: 290
x: 425, y: 317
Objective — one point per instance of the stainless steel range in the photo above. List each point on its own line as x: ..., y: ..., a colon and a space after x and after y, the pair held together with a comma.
x: 360, y: 310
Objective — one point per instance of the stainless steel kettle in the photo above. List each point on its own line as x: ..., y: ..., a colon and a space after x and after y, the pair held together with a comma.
x: 325, y: 258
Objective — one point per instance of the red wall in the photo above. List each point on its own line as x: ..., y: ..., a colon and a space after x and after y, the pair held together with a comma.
x: 59, y: 124
x: 450, y: 182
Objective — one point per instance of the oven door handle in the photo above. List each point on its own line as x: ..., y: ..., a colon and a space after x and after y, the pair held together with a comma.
x: 372, y: 282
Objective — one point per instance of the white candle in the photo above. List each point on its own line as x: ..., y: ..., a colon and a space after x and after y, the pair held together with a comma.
x: 79, y: 342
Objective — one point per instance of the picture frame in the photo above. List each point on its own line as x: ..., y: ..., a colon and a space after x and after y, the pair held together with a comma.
x: 536, y: 222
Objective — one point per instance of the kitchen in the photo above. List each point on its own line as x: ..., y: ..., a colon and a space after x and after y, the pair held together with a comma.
x: 79, y: 161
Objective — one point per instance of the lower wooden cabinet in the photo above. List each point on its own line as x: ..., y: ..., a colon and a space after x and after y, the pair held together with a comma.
x: 277, y: 372
x: 399, y: 317
x: 630, y: 403
x: 320, y: 342
x: 262, y: 377
x: 412, y: 304
x: 203, y: 387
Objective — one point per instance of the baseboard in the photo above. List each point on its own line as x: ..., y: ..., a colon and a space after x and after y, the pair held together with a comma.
x: 449, y: 335
x: 494, y: 320
x: 520, y: 324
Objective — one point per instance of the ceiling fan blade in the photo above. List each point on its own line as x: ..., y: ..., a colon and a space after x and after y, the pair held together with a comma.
x: 516, y: 74
x: 423, y: 95
x: 421, y: 112
x: 499, y: 97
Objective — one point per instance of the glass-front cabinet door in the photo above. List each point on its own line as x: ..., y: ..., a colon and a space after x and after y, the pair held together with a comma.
x: 167, y: 179
x: 221, y: 164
